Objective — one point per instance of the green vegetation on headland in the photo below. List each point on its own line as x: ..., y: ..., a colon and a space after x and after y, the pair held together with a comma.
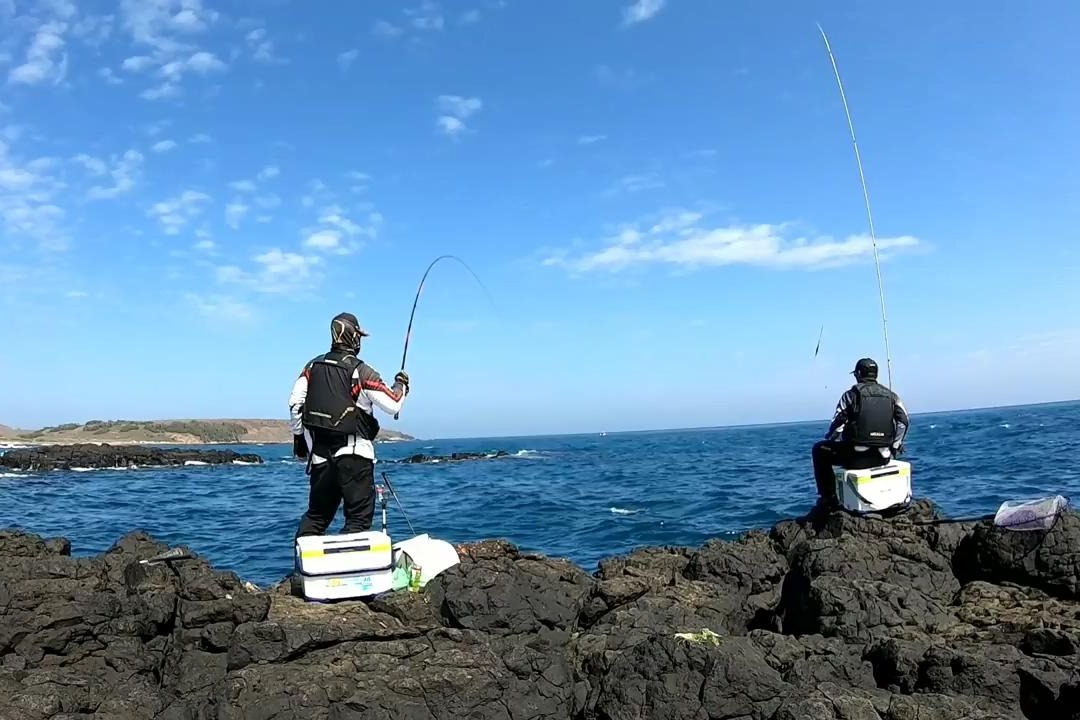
x: 176, y: 432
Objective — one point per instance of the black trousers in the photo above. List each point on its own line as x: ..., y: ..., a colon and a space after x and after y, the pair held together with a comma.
x: 829, y: 453
x: 348, y: 478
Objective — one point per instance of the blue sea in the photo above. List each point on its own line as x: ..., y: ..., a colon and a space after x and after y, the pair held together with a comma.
x: 585, y: 497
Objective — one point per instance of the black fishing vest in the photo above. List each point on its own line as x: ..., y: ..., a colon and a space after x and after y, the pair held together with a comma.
x: 871, y: 422
x: 330, y: 410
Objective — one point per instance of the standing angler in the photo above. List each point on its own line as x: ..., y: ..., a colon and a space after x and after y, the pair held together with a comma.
x: 332, y: 414
x: 869, y: 425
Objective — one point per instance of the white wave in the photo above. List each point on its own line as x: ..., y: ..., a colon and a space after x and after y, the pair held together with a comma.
x: 83, y: 469
x: 1005, y: 425
x: 243, y: 462
x: 528, y: 454
x: 623, y: 511
x: 933, y: 425
x: 196, y: 462
x: 11, y: 475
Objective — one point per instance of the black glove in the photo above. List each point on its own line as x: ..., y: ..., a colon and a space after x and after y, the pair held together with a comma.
x: 402, y: 378
x: 299, y: 447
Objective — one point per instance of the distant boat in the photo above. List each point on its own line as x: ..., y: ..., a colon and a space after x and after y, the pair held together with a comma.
x: 603, y: 434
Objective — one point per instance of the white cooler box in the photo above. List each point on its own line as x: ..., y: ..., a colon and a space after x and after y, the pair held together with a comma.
x: 874, y: 490
x: 339, y: 567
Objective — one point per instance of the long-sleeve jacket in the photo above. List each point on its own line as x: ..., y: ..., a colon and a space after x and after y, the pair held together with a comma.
x: 368, y: 390
x: 842, y: 416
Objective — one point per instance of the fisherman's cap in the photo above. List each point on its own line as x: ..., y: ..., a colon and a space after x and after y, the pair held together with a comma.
x: 348, y: 319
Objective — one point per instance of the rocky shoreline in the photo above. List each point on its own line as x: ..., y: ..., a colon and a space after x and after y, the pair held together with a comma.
x: 421, y: 459
x: 94, y: 456
x: 823, y: 617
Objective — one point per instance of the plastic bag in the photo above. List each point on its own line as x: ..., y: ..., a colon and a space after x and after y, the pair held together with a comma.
x: 1027, y: 515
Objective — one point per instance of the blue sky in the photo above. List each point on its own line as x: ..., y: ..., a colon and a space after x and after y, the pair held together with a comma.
x: 661, y: 198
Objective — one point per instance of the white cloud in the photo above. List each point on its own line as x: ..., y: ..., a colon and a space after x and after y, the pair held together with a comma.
x: 199, y: 139
x: 590, y: 139
x: 166, y: 29
x: 469, y: 17
x: 234, y: 213
x: 426, y: 16
x: 270, y: 171
x: 451, y: 126
x: 176, y: 212
x: 243, y: 186
x: 76, y: 294
x: 385, y: 29
x: 642, y: 10
x: 94, y: 166
x: 27, y: 201
x: 634, y: 183
x: 679, y: 239
x: 45, y: 59
x: 163, y: 146
x: 125, y: 172
x: 347, y: 58
x: 217, y: 307
x: 205, y: 245
x: 323, y: 240
x: 262, y: 49
x: 109, y: 76
x: 277, y: 271
x: 458, y: 106
x: 456, y: 109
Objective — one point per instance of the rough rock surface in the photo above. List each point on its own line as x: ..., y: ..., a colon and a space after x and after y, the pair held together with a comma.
x: 420, y: 458
x: 89, y: 455
x: 823, y: 618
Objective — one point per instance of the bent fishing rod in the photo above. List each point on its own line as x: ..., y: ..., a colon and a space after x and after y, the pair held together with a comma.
x: 866, y: 198
x: 420, y: 288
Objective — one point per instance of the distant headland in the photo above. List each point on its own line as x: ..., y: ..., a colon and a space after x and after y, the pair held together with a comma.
x: 166, y: 432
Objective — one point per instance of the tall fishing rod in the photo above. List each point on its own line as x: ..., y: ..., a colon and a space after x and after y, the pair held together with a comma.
x: 420, y: 288
x: 866, y: 198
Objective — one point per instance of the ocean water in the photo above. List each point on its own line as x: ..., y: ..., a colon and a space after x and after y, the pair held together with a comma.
x: 585, y: 497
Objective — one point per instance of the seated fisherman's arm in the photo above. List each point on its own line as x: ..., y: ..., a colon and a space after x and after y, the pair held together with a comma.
x: 840, y: 417
x: 296, y: 403
x: 903, y: 422
x: 387, y: 399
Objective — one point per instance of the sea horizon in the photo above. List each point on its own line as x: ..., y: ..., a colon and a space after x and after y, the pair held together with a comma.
x: 739, y: 426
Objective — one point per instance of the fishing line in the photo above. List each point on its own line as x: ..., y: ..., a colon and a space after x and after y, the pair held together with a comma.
x: 866, y: 198
x: 412, y: 314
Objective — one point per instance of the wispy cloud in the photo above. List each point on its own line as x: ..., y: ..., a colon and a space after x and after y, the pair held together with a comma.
x: 262, y: 49
x: 166, y: 33
x: 385, y: 29
x: 347, y: 58
x: 219, y: 307
x: 455, y: 110
x: 199, y: 138
x: 426, y: 16
x: 634, y: 184
x: 469, y: 17
x: 642, y: 10
x: 28, y: 201
x: 591, y: 139
x: 680, y: 239
x: 163, y: 146
x: 234, y: 213
x: 46, y: 61
x: 276, y: 271
x: 124, y: 171
x: 619, y: 78
x: 176, y: 212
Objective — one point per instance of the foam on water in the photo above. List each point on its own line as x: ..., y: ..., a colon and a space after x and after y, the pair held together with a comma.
x: 593, y: 497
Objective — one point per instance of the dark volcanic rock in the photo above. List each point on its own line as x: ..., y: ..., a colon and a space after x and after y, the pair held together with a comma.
x: 829, y: 617
x: 420, y: 458
x: 65, y: 457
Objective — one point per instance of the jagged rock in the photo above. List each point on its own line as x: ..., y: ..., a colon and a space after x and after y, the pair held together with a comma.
x: 88, y: 455
x: 420, y: 458
x: 827, y: 616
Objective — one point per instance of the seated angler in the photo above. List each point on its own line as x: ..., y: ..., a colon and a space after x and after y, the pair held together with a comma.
x: 867, y: 429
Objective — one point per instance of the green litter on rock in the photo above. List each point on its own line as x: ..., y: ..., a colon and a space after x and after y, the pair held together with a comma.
x: 705, y: 636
